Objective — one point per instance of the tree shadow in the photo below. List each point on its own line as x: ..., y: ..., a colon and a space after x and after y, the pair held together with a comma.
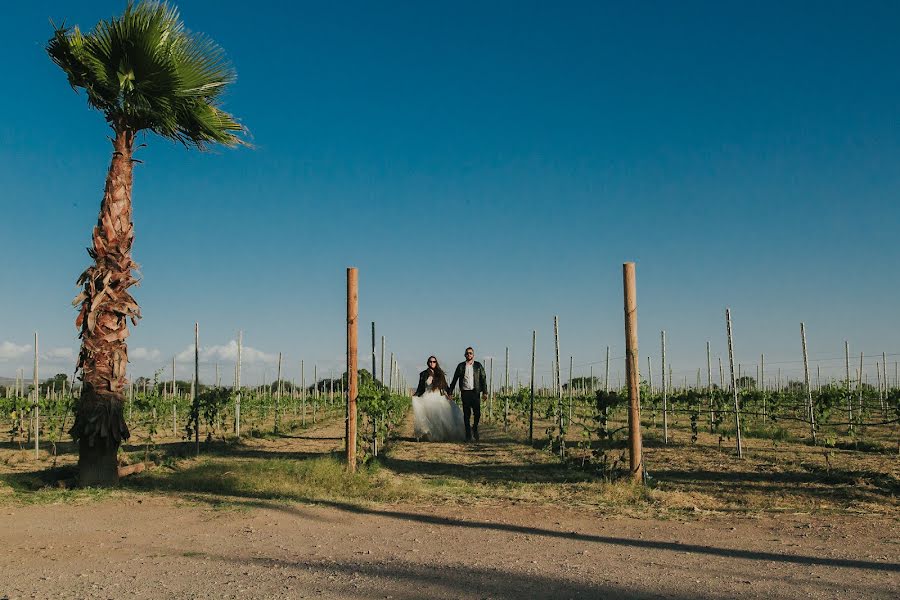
x: 229, y: 449
x: 489, y: 472
x: 813, y: 483
x: 232, y: 489
x: 410, y: 581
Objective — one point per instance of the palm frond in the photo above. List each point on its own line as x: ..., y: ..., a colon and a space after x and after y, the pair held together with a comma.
x: 146, y: 71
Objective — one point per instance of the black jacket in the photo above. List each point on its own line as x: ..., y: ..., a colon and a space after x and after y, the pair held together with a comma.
x: 423, y: 383
x: 480, y: 383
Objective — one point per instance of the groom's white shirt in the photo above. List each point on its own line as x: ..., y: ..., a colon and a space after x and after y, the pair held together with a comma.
x: 468, y: 382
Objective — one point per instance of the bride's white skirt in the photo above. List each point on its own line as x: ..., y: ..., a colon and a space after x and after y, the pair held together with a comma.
x: 438, y: 419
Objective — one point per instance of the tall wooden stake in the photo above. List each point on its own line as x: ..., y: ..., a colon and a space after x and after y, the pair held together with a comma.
x: 559, y: 409
x: 196, y: 400
x: 762, y: 383
x: 278, y: 396
x: 859, y: 388
x: 35, y: 403
x: 373, y: 349
x: 352, y: 369
x: 847, y: 376
x: 571, y: 389
x: 709, y: 386
x: 734, y: 393
x: 665, y: 390
x: 302, y: 393
x: 632, y: 374
x: 531, y: 402
x: 237, y: 395
x: 809, y: 403
x: 506, y: 394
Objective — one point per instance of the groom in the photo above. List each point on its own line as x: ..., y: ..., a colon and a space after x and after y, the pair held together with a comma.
x: 472, y: 387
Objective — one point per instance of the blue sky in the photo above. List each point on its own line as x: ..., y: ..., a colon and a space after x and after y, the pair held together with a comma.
x: 486, y: 166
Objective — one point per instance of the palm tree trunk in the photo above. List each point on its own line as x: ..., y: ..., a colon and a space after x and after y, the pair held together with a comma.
x: 106, y: 306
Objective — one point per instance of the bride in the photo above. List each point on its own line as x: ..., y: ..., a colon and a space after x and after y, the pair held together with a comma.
x: 438, y: 417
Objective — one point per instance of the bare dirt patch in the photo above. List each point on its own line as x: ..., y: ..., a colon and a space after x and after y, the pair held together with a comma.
x: 276, y: 517
x: 157, y: 547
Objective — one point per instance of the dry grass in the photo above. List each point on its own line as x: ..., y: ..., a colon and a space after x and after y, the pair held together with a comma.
x: 780, y: 472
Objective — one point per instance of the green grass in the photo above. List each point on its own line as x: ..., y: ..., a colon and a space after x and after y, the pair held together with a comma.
x: 235, y: 480
x: 761, y: 431
x: 43, y: 487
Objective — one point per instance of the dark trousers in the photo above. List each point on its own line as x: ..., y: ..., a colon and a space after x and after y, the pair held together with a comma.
x: 471, y: 401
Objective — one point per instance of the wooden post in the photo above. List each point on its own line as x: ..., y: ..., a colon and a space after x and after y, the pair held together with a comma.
x: 665, y: 390
x: 506, y: 373
x: 734, y: 393
x: 570, y: 389
x: 506, y: 394
x: 762, y: 383
x: 174, y: 401
x: 352, y: 370
x: 632, y: 375
x: 709, y: 386
x: 559, y: 410
x: 35, y: 403
x: 649, y: 374
x: 237, y: 396
x: 373, y: 350
x: 531, y: 402
x: 809, y: 403
x: 859, y: 388
x: 277, y: 396
x: 847, y: 376
x: 174, y: 415
x: 196, y: 399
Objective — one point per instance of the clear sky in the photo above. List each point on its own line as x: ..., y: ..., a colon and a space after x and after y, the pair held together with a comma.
x: 486, y: 165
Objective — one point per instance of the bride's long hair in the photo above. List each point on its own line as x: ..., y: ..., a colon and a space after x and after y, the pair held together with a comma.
x: 438, y: 378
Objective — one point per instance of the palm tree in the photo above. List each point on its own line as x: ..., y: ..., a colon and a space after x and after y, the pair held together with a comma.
x: 144, y: 71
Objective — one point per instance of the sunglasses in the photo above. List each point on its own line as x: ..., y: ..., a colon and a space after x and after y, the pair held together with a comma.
x: 432, y: 361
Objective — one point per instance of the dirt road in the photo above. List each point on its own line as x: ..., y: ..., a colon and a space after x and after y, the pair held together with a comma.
x: 157, y: 547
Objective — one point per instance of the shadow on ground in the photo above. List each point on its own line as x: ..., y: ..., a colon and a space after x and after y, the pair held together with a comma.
x: 269, y: 501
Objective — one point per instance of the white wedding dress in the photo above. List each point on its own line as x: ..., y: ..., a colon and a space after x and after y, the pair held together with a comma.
x: 437, y: 418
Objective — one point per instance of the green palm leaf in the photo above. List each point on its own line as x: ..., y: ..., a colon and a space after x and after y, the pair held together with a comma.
x: 144, y: 70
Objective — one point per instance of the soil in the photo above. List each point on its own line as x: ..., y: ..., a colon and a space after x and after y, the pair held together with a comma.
x: 506, y: 544
x: 158, y: 548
